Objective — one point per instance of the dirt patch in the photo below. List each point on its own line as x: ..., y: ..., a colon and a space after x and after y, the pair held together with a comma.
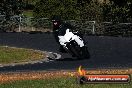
x: 14, y: 76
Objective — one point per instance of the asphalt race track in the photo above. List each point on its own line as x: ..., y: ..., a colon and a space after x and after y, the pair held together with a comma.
x: 106, y: 52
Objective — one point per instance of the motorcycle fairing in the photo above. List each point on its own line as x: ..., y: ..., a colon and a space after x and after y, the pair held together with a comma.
x: 68, y: 37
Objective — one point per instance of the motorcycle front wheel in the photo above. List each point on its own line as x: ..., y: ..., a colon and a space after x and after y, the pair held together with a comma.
x: 77, y: 51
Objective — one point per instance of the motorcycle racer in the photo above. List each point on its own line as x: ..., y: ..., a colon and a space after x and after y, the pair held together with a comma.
x: 63, y: 31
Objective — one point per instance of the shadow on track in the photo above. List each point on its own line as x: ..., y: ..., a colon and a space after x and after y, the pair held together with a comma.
x: 72, y: 59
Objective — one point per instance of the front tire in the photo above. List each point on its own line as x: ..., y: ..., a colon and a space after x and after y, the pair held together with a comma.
x: 85, y: 52
x: 77, y: 51
x: 74, y: 49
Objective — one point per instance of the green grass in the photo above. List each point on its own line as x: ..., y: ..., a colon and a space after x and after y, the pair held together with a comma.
x: 28, y: 13
x: 69, y: 82
x: 15, y: 55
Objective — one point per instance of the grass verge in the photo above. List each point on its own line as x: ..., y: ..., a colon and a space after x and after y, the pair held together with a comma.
x: 56, y: 79
x: 69, y: 82
x: 17, y: 55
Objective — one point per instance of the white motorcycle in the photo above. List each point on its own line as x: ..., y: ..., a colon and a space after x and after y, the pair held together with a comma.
x: 74, y: 44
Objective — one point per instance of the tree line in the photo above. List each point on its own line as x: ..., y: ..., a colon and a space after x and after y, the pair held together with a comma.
x: 14, y: 7
x: 113, y: 10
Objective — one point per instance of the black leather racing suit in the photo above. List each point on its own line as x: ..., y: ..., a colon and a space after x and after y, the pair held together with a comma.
x: 61, y: 31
